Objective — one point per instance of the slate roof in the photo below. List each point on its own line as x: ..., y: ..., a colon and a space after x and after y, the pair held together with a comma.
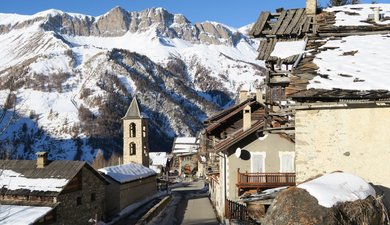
x: 31, y: 180
x: 133, y: 112
x: 128, y: 172
x: 336, y: 95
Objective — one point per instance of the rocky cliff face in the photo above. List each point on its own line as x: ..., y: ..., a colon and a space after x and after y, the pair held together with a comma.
x: 118, y: 22
x: 71, y: 78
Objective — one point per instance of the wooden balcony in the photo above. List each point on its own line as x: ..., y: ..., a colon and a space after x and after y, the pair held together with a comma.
x: 261, y: 181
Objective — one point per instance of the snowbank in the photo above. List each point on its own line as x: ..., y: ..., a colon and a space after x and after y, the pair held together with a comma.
x: 334, y: 188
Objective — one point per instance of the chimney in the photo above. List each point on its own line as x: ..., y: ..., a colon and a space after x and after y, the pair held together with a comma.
x: 376, y: 14
x: 41, y: 159
x: 247, y: 118
x: 259, y: 96
x: 311, y: 7
x: 243, y: 95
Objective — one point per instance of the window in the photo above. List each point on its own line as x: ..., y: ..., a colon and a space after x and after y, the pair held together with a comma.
x: 144, y: 131
x: 132, y: 129
x: 286, y: 162
x: 132, y: 148
x: 258, y: 162
x: 93, y: 197
x: 78, y: 201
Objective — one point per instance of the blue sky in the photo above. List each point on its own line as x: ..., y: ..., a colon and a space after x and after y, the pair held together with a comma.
x: 230, y: 12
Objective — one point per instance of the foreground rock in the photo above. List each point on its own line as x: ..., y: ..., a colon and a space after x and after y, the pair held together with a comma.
x: 297, y: 206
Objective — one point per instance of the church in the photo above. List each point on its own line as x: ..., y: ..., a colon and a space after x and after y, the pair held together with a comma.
x: 132, y: 181
x: 135, y: 135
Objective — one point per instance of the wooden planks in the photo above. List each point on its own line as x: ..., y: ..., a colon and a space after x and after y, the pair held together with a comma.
x: 259, y: 26
x: 298, y: 15
x: 286, y: 22
x: 279, y: 22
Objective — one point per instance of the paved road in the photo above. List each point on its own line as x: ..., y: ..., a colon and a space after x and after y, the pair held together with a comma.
x: 199, y: 211
x: 194, y: 207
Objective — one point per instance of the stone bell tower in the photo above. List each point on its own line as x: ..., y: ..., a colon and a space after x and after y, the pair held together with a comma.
x: 135, y: 136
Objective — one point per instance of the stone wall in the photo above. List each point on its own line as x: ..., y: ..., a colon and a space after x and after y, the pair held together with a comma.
x: 354, y: 140
x: 69, y: 212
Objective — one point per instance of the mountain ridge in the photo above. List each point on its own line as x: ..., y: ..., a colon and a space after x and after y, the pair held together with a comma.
x: 71, y: 90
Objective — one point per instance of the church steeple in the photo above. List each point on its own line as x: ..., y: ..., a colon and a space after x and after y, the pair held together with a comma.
x: 135, y: 135
x: 133, y: 112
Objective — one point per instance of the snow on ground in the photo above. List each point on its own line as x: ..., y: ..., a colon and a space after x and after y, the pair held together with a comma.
x: 338, y: 187
x: 366, y: 69
x: 127, y: 172
x: 55, y: 109
x: 355, y: 15
x: 289, y: 48
x: 21, y: 215
x: 13, y: 181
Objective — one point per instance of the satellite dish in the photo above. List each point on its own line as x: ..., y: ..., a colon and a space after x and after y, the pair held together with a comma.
x: 262, y: 135
x: 238, y: 152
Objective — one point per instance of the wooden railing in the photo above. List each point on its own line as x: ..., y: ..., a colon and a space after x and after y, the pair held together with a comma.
x: 263, y: 180
x: 237, y: 211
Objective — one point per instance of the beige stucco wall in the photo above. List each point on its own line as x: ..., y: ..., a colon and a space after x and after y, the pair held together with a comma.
x: 141, y: 142
x: 355, y: 140
x: 271, y: 145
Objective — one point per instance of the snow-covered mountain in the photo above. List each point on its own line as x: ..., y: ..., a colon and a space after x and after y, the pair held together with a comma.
x: 66, y: 79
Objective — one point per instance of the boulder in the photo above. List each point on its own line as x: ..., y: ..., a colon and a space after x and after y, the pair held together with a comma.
x: 297, y: 206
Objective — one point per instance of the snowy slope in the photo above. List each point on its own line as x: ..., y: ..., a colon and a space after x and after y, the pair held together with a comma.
x: 73, y: 77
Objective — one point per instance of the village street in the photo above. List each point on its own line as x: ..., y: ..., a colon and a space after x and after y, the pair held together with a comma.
x: 190, y: 205
x: 194, y: 207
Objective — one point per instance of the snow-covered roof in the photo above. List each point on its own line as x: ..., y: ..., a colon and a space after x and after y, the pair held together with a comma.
x: 127, y: 172
x: 20, y: 176
x: 338, y: 187
x: 21, y: 215
x: 13, y: 181
x: 354, y: 62
x: 185, y: 145
x: 357, y: 60
x: 158, y: 158
x: 356, y: 15
x: 285, y: 49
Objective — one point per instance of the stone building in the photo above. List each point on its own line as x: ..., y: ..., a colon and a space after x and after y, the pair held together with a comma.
x: 135, y: 135
x: 51, y: 192
x: 129, y: 183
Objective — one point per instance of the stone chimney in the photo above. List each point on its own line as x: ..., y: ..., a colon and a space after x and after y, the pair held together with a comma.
x: 311, y: 7
x: 247, y: 118
x: 259, y: 96
x: 243, y: 95
x: 41, y: 159
x: 377, y: 14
